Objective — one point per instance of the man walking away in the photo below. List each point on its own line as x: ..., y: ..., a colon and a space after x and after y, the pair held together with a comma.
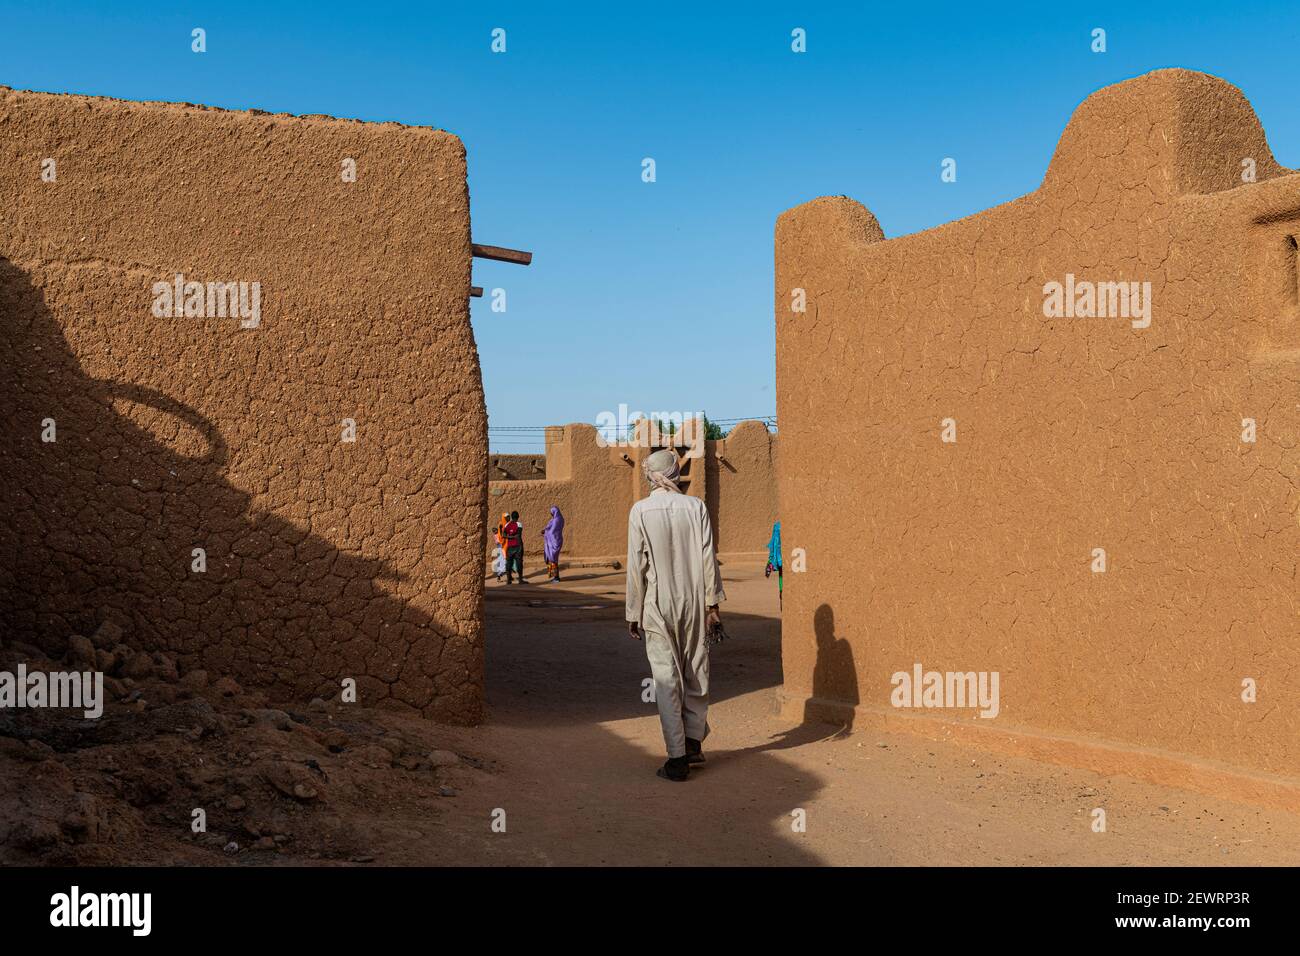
x: 674, y: 587
x: 514, y: 532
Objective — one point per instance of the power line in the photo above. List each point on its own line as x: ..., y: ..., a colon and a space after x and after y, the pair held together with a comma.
x: 766, y: 419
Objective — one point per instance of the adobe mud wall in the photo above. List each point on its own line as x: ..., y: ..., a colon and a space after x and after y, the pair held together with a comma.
x: 592, y: 487
x: 325, y: 558
x: 516, y: 467
x: 1071, y: 434
x: 596, y: 486
x: 741, y: 490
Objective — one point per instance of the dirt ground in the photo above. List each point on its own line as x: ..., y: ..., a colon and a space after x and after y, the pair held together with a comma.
x: 568, y: 721
x: 563, y: 772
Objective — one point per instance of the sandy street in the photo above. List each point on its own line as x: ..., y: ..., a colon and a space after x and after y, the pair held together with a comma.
x: 575, y: 750
x: 562, y: 773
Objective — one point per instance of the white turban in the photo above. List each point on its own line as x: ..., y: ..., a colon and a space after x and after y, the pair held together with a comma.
x: 661, y: 470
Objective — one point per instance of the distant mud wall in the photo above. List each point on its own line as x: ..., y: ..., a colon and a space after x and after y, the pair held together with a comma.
x: 742, y: 489
x: 176, y: 431
x: 592, y: 486
x: 1171, y: 446
x: 595, y: 487
x: 516, y: 467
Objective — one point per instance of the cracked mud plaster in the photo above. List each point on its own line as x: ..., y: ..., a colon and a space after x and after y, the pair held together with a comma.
x: 325, y: 559
x: 1073, y: 434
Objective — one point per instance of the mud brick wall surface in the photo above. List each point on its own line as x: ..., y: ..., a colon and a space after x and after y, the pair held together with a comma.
x: 1072, y: 434
x: 325, y: 559
x: 516, y: 467
x: 742, y: 488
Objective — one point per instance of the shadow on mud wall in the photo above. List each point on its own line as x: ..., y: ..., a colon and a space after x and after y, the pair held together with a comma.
x: 101, y: 524
x: 835, y: 675
x: 712, y: 498
x: 829, y: 712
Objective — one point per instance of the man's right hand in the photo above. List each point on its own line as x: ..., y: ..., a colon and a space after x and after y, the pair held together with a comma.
x: 634, y: 629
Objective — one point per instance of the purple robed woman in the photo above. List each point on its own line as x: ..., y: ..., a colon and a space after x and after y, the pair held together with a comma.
x: 553, y: 538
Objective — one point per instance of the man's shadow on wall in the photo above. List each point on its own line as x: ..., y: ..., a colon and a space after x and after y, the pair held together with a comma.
x: 101, y: 524
x: 835, y: 675
x: 829, y: 713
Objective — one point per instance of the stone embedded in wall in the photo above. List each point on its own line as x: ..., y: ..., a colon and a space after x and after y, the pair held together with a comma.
x: 292, y: 502
x: 955, y: 451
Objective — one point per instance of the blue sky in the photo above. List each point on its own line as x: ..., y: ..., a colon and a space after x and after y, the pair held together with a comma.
x: 660, y: 295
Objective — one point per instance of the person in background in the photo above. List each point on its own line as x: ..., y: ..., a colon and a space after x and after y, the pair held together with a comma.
x: 514, y: 535
x: 774, y: 562
x: 674, y: 586
x: 553, y: 541
x: 499, y: 555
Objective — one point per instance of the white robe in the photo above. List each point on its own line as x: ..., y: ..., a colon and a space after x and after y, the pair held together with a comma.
x: 672, y: 580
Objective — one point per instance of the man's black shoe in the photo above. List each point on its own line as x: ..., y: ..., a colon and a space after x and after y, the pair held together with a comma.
x: 676, y: 769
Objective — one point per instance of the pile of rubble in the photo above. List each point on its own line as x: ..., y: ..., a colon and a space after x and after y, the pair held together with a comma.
x: 188, y: 768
